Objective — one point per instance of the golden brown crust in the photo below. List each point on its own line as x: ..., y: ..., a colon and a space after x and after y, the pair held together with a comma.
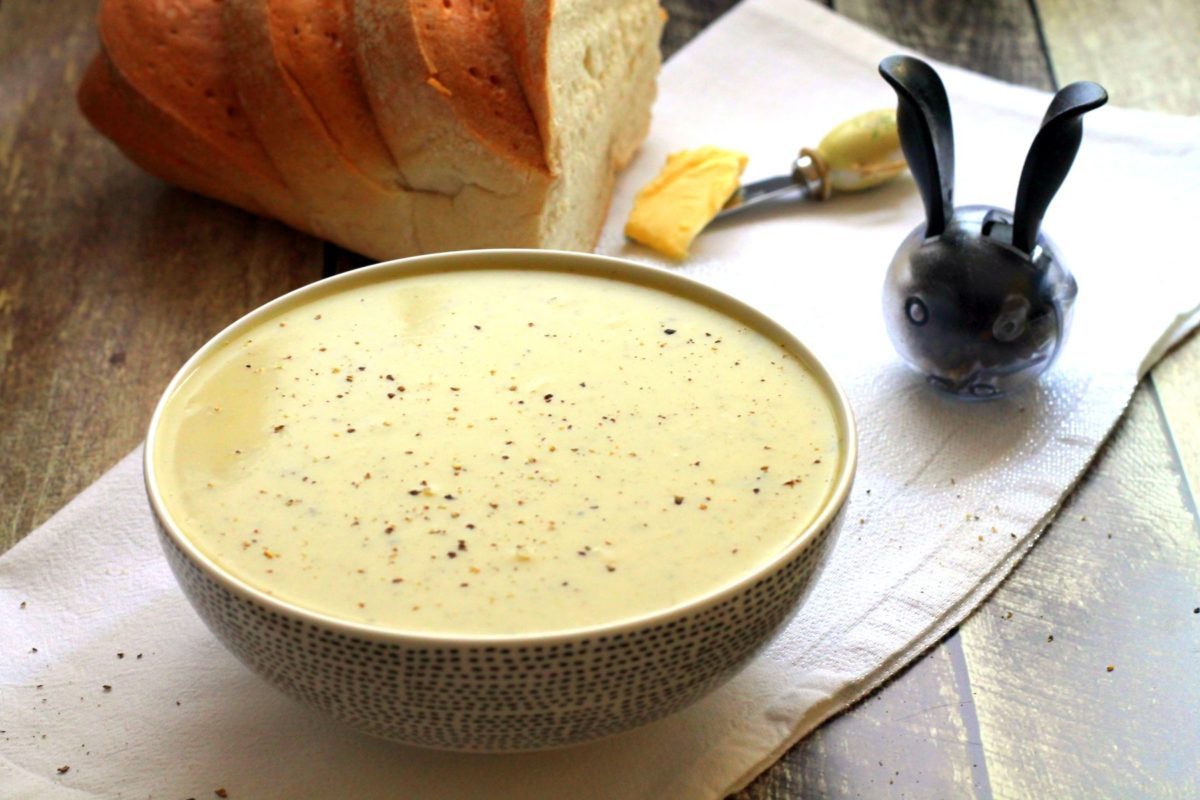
x: 392, y: 127
x: 465, y: 50
x: 524, y: 26
x: 141, y: 131
x: 314, y: 44
x: 174, y: 54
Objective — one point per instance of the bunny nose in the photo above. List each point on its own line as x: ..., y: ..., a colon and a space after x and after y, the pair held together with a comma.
x: 1011, y: 322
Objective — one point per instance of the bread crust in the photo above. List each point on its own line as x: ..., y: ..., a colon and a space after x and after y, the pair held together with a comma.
x: 392, y: 127
x: 174, y: 54
x: 465, y: 50
x: 344, y: 202
x: 314, y: 45
x: 158, y: 144
x: 525, y: 26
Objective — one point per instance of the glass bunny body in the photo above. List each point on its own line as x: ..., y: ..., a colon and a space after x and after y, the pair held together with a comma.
x: 975, y: 315
x: 976, y: 298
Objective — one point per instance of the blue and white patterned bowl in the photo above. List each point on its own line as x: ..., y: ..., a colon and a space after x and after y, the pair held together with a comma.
x: 511, y: 692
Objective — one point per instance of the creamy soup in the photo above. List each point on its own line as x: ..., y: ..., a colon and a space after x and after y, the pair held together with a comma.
x: 495, y: 451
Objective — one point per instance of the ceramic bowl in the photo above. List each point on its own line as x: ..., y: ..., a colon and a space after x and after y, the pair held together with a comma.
x: 508, y: 693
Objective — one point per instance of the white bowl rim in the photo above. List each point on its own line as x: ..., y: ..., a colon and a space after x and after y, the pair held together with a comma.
x: 564, y: 261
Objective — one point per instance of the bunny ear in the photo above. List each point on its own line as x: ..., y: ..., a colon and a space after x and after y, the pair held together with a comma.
x: 1050, y: 157
x: 926, y: 134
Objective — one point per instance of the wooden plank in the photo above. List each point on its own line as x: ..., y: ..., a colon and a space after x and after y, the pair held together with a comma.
x: 916, y: 737
x: 943, y: 758
x: 336, y: 259
x: 686, y: 18
x: 1177, y: 386
x: 1113, y: 583
x: 1145, y: 54
x: 998, y: 38
x: 108, y: 278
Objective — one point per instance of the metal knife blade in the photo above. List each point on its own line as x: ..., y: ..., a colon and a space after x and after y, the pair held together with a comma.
x: 805, y: 181
x: 781, y: 188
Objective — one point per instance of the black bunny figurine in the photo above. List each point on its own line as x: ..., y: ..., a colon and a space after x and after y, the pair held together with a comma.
x: 977, y: 298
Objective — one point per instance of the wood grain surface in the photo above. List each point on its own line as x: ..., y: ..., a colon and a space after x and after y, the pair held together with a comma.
x: 686, y: 18
x: 1177, y: 387
x: 1112, y: 584
x: 998, y: 37
x: 1031, y: 719
x: 1146, y: 54
x: 109, y: 279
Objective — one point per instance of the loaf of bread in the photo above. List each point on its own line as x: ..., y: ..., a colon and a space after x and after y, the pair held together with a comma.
x: 391, y: 127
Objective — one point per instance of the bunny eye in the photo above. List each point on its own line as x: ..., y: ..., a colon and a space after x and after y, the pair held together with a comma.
x: 915, y: 310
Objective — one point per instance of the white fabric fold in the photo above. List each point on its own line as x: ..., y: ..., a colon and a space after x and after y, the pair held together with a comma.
x: 948, y: 497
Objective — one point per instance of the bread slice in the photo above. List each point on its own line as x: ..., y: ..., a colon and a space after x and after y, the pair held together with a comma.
x: 302, y: 96
x: 392, y: 127
x: 598, y: 67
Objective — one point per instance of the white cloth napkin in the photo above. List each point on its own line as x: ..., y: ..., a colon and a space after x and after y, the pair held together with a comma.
x: 948, y: 496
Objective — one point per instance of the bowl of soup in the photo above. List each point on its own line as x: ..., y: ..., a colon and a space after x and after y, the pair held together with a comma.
x: 499, y: 500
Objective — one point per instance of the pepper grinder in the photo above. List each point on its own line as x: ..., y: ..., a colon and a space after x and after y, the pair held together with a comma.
x: 977, y: 298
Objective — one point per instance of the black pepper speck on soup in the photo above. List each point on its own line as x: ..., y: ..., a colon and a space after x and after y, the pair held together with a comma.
x: 517, y: 451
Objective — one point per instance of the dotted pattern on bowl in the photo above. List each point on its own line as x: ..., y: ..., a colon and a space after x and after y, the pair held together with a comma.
x: 506, y: 697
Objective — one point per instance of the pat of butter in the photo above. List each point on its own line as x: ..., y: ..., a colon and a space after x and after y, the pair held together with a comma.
x: 670, y: 210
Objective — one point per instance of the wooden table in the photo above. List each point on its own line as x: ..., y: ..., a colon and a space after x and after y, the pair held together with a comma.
x: 109, y: 280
